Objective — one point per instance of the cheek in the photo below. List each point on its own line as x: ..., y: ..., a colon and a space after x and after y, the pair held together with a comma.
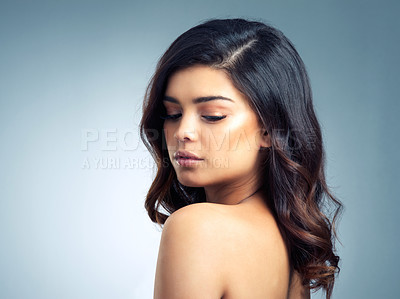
x: 169, y: 143
x: 168, y: 133
x: 234, y: 143
x: 239, y: 136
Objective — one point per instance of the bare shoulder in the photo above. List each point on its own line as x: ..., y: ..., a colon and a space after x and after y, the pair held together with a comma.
x: 208, y: 225
x: 190, y: 252
x: 198, y: 223
x: 193, y: 213
x: 230, y: 249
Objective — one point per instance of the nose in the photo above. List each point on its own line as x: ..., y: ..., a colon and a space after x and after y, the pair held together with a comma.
x: 186, y: 130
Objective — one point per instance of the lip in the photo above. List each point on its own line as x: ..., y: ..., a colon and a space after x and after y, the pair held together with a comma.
x: 185, y: 158
x: 186, y: 155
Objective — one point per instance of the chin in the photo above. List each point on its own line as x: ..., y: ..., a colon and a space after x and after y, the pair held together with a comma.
x: 189, y: 181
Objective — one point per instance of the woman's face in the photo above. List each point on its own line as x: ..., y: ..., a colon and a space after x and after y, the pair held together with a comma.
x: 206, y: 116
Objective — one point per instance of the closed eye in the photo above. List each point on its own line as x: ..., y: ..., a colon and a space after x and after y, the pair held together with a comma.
x: 207, y: 117
x: 171, y: 116
x: 214, y: 118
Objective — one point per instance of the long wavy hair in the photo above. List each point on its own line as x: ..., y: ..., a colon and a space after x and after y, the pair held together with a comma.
x: 264, y: 65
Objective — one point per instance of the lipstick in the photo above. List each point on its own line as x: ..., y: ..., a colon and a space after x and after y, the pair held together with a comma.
x: 187, y: 159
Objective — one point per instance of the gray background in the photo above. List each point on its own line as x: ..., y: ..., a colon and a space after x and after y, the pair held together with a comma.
x: 77, y: 70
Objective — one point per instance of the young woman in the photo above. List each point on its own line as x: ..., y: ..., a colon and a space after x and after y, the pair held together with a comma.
x: 229, y: 120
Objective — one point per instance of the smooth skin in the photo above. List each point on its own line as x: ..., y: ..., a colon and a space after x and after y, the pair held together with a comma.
x: 230, y: 246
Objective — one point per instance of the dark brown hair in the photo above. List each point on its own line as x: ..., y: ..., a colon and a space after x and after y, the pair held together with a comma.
x: 264, y: 65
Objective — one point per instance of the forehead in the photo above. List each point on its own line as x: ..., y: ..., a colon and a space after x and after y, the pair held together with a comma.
x: 198, y: 81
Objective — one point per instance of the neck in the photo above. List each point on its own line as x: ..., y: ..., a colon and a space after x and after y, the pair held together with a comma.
x: 232, y: 193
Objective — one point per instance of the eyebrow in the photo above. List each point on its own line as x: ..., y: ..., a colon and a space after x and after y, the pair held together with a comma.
x: 198, y: 100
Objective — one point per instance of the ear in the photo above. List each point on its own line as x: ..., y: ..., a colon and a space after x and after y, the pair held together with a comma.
x: 265, y: 139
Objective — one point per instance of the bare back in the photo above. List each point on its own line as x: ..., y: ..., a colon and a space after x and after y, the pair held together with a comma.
x: 258, y: 264
x: 210, y: 250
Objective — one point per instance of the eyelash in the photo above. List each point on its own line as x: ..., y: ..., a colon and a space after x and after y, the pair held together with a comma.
x: 209, y: 118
